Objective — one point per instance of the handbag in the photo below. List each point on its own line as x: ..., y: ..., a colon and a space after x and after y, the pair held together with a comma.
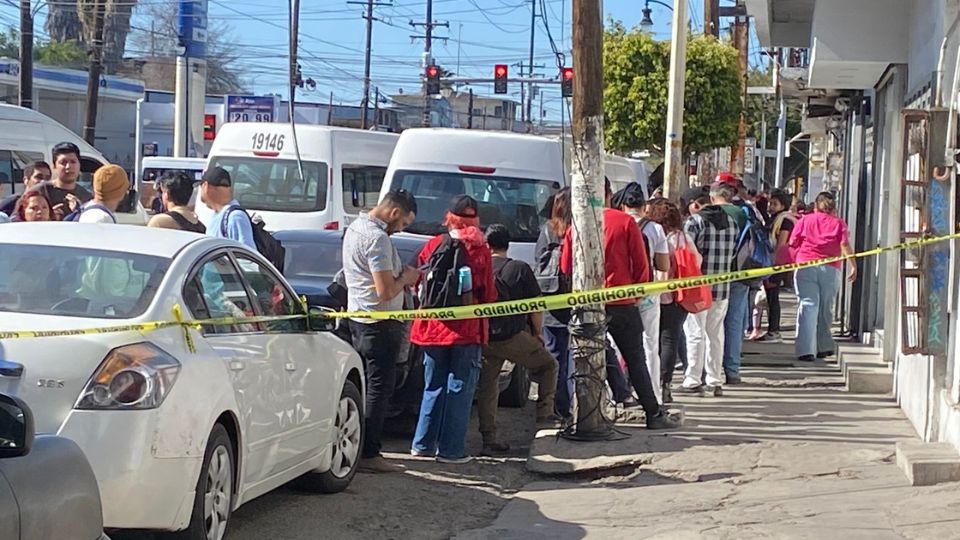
x: 687, y: 260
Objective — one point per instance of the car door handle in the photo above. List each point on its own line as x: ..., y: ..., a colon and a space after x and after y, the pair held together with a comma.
x: 290, y: 366
x: 236, y: 365
x: 10, y: 369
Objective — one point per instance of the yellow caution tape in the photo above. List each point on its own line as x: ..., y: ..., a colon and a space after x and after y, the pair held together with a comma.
x: 497, y: 309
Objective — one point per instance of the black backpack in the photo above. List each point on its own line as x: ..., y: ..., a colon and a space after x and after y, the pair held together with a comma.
x: 267, y: 244
x: 646, y: 243
x: 441, y: 284
x: 504, y: 328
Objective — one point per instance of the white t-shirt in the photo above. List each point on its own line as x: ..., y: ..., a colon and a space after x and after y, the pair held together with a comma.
x: 656, y: 238
x: 96, y: 215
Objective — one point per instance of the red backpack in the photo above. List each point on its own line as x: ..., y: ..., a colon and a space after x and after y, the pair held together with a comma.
x: 697, y: 299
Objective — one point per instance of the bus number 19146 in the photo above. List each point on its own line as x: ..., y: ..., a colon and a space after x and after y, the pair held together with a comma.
x: 268, y: 141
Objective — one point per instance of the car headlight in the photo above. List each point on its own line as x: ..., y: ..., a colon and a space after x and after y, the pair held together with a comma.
x: 137, y: 376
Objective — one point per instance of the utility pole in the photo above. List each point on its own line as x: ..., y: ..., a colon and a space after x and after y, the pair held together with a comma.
x: 675, y: 178
x: 376, y: 108
x: 741, y: 35
x: 26, y: 55
x: 781, y: 120
x: 470, y: 113
x: 711, y: 17
x: 365, y: 100
x: 428, y: 25
x: 587, y: 187
x: 533, y: 30
x: 93, y: 77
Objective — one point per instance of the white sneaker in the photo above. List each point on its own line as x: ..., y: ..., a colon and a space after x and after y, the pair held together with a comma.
x: 455, y: 461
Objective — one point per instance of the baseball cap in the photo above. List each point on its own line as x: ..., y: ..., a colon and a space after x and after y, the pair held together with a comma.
x: 728, y: 179
x: 216, y: 176
x: 463, y: 206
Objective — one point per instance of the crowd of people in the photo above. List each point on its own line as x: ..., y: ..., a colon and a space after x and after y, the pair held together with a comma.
x: 699, y: 331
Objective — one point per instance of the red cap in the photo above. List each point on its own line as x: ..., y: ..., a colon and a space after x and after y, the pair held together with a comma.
x: 728, y: 179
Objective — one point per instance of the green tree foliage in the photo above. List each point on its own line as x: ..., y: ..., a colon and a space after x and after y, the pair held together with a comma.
x: 636, y: 77
x: 49, y: 53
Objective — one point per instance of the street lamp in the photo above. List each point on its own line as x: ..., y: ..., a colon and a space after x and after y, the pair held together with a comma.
x: 647, y: 21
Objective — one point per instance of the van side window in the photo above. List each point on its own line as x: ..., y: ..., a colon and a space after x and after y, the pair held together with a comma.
x: 12, y: 163
x: 361, y: 187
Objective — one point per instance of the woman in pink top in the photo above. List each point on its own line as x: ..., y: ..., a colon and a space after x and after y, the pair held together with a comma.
x: 818, y: 236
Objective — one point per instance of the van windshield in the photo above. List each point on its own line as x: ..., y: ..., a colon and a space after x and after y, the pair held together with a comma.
x: 274, y: 184
x: 513, y: 202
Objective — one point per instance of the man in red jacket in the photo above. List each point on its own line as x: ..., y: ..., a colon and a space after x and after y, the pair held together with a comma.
x: 626, y: 263
x: 452, y: 349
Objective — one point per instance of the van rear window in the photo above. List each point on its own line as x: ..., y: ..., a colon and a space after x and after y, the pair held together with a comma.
x: 513, y: 202
x: 275, y: 184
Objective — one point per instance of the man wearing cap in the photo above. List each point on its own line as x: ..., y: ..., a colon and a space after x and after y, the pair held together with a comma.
x: 229, y: 219
x: 110, y: 187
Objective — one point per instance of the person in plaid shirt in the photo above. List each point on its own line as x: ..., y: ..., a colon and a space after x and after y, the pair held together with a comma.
x: 715, y: 234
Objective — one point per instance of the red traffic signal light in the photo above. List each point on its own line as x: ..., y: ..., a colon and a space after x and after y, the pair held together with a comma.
x: 500, y: 79
x: 433, y: 80
x: 566, y: 82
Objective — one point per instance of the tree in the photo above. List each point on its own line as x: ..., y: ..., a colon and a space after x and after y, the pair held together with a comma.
x: 49, y: 53
x: 636, y: 74
x: 157, y: 45
x: 74, y: 21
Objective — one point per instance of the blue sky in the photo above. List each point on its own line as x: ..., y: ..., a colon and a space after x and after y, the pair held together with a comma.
x: 332, y: 41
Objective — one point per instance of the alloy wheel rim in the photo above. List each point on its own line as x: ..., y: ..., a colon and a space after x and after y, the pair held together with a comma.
x: 216, y: 500
x: 346, y: 448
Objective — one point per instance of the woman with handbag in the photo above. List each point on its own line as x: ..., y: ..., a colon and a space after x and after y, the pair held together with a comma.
x: 685, y: 262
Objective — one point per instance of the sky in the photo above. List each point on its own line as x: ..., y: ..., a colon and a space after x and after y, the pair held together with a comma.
x: 481, y: 33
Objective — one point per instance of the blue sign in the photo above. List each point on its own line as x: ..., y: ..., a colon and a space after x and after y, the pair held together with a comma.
x: 192, y: 27
x: 250, y: 108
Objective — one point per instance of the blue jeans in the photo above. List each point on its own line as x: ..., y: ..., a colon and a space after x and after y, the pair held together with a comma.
x: 557, y: 341
x: 450, y: 376
x: 733, y: 327
x: 817, y: 289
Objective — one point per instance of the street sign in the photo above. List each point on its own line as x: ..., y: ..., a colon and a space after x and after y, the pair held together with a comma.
x: 192, y: 27
x: 749, y: 156
x: 250, y: 108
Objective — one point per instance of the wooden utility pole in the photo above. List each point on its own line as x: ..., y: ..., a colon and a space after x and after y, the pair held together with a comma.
x: 741, y: 40
x: 588, y: 196
x: 26, y: 55
x: 711, y: 18
x: 93, y: 76
x: 470, y: 109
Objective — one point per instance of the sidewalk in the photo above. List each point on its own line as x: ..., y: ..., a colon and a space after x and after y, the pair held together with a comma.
x: 789, y: 454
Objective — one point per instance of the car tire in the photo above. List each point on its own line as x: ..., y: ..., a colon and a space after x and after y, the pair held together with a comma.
x: 217, y: 482
x: 517, y: 394
x: 347, y: 444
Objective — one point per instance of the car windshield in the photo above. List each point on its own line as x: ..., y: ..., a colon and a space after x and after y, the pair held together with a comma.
x: 275, y: 184
x: 73, y: 282
x: 513, y: 202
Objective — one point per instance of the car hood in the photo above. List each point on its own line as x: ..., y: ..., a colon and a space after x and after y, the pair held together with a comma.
x: 55, y: 369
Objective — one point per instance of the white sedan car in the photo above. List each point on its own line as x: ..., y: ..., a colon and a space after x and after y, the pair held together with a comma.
x: 178, y: 434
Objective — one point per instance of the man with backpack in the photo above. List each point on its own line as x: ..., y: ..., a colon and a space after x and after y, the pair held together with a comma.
x: 229, y: 219
x: 752, y: 251
x: 517, y: 338
x: 110, y: 187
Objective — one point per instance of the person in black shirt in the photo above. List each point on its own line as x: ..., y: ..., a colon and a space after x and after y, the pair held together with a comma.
x: 517, y: 338
x: 33, y: 174
x: 64, y: 193
x: 780, y: 225
x: 175, y: 189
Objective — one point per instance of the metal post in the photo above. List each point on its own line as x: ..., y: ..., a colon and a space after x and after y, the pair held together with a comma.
x: 294, y: 74
x: 93, y: 77
x: 427, y: 56
x: 675, y: 179
x: 470, y: 113
x: 763, y: 148
x: 376, y: 108
x: 781, y: 121
x: 589, y: 324
x: 533, y: 30
x: 26, y: 55
x: 366, y: 65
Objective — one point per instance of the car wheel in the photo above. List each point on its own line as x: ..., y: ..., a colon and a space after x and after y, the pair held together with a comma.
x: 347, y: 443
x: 215, y: 490
x: 517, y: 393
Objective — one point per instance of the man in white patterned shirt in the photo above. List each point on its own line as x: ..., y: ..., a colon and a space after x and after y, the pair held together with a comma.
x: 715, y: 234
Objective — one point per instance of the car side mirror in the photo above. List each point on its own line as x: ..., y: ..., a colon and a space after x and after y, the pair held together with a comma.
x: 16, y: 427
x: 319, y: 322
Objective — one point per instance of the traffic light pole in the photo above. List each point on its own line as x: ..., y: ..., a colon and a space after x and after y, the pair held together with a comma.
x: 588, y: 327
x: 26, y: 55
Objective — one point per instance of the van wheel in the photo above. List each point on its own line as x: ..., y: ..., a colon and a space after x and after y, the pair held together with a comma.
x: 347, y: 443
x: 516, y: 395
x: 213, y: 503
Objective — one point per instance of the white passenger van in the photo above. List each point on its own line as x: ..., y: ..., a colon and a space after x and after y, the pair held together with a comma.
x: 156, y: 166
x: 511, y: 176
x: 27, y: 136
x: 343, y: 169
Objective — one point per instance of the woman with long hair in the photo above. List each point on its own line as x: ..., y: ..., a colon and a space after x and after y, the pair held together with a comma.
x: 816, y: 236
x: 33, y: 205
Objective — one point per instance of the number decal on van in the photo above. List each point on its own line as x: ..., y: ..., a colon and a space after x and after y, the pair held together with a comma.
x: 266, y: 141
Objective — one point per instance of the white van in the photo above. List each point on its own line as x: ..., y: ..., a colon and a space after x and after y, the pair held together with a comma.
x: 27, y: 136
x: 343, y: 169
x: 511, y: 176
x: 155, y: 167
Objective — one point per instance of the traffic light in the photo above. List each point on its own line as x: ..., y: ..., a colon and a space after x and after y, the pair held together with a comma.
x: 566, y: 82
x: 500, y: 79
x: 433, y: 80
